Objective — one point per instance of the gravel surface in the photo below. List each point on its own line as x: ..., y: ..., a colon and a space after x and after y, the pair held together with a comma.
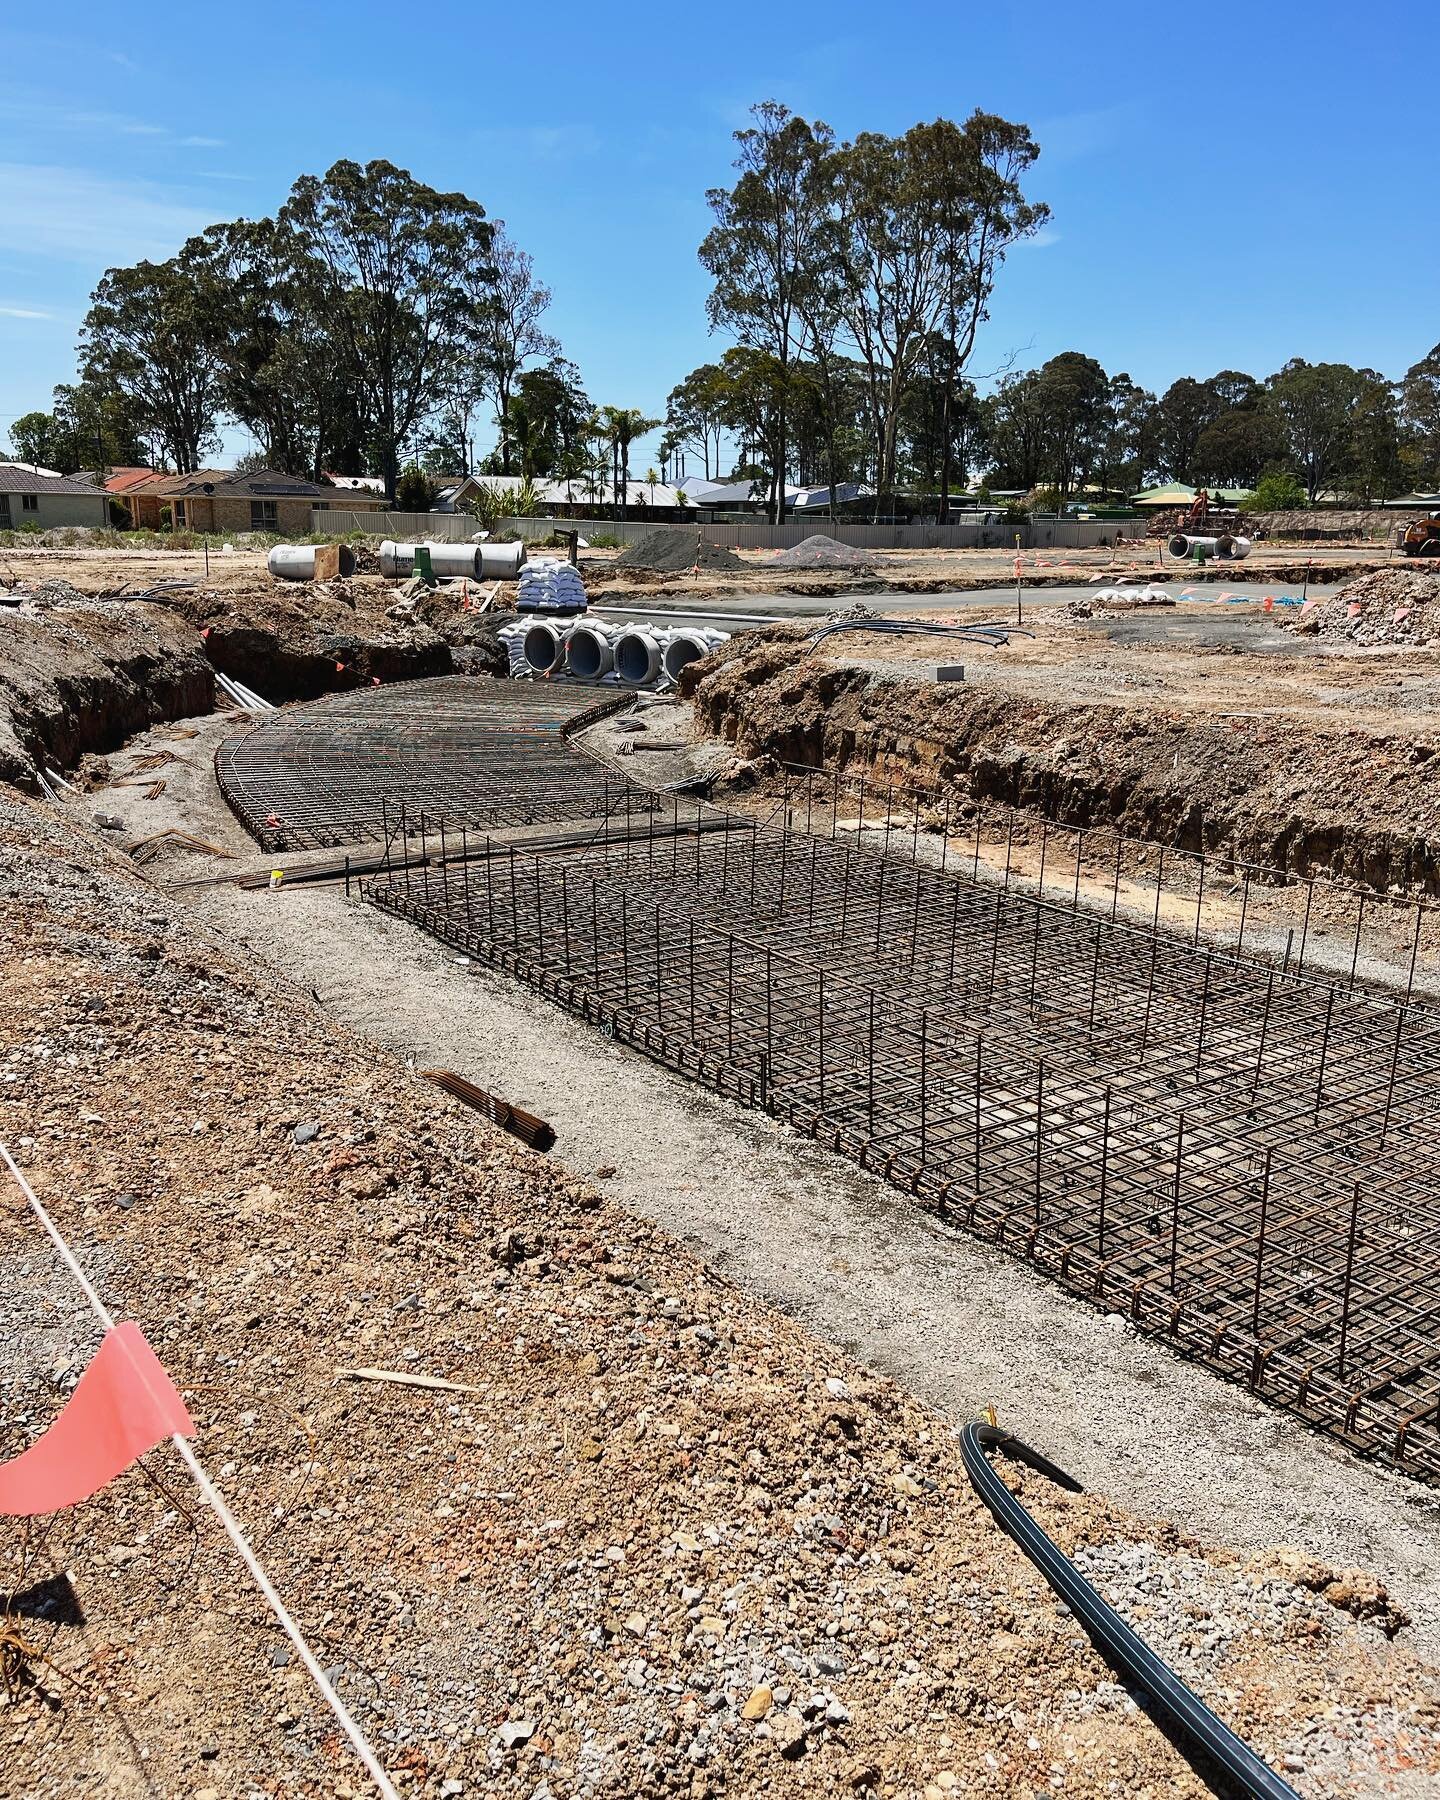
x: 953, y: 1320
x: 670, y: 1543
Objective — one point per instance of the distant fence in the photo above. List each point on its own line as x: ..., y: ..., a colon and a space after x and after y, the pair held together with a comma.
x: 406, y: 528
x: 1041, y: 532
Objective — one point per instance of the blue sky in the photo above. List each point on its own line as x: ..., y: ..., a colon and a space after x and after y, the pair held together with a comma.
x: 1262, y: 198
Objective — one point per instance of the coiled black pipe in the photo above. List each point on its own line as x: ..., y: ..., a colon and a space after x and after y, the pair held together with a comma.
x: 1193, y: 1720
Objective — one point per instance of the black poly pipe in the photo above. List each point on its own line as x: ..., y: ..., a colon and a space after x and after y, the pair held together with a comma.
x: 1193, y: 1720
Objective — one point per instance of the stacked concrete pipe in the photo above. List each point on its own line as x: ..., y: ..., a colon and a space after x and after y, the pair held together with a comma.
x: 688, y: 645
x: 590, y: 650
x: 1222, y: 549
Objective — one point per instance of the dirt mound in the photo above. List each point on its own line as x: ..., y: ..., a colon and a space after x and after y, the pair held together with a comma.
x: 1388, y: 606
x: 821, y: 552
x: 675, y: 551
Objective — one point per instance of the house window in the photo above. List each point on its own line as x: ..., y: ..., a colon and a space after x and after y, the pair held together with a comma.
x: 321, y: 506
x: 263, y: 516
x: 4, y: 509
x: 179, y: 515
x: 29, y: 503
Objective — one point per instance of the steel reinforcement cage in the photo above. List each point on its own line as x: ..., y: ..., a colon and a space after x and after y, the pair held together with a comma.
x: 1238, y: 1158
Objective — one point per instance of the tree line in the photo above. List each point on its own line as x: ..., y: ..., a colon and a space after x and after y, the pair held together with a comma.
x: 374, y: 320
x: 369, y: 321
x: 853, y: 279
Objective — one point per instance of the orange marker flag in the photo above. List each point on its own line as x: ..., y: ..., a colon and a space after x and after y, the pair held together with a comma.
x: 123, y: 1405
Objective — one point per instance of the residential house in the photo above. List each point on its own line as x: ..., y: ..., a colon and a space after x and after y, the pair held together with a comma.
x: 219, y: 501
x: 48, y: 500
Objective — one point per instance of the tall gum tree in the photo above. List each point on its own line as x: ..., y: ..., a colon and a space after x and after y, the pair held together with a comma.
x: 760, y: 253
x: 405, y: 269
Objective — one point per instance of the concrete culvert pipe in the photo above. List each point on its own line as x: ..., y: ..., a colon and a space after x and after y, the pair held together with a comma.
x: 687, y: 647
x: 296, y: 562
x: 637, y: 658
x: 1224, y: 548
x: 588, y: 653
x: 500, y: 562
x: 544, y: 648
x: 455, y: 560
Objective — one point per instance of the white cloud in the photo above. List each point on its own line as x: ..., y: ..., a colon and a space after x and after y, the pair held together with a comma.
x: 24, y: 312
x: 77, y: 216
x: 1042, y: 240
x: 539, y: 143
x: 202, y: 143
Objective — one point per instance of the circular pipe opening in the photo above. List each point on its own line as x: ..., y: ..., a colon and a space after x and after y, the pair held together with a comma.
x: 684, y: 648
x: 588, y: 655
x: 637, y: 659
x: 541, y: 645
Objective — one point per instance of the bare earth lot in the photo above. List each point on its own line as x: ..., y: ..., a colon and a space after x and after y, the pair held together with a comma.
x: 700, y: 1525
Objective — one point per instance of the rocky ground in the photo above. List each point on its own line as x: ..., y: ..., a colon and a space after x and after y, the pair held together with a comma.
x: 663, y: 1540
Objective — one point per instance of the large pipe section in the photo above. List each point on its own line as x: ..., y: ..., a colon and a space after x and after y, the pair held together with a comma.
x: 296, y: 562
x: 1223, y: 549
x: 589, y: 653
x: 544, y: 647
x: 478, y: 562
x: 501, y: 562
x: 638, y: 654
x: 688, y: 646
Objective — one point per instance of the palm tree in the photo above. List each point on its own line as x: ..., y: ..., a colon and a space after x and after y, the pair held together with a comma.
x: 624, y: 424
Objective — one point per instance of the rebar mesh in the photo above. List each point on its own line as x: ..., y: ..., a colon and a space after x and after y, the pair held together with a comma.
x: 1237, y: 1159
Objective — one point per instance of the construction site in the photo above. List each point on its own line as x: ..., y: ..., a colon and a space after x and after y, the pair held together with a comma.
x: 762, y: 1172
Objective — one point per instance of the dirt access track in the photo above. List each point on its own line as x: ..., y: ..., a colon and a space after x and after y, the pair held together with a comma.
x: 1285, y: 566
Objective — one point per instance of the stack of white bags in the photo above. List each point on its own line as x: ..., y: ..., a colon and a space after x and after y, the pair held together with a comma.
x: 549, y: 585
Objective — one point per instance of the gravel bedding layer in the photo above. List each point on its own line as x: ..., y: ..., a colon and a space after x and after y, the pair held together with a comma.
x: 821, y: 552
x: 670, y: 1543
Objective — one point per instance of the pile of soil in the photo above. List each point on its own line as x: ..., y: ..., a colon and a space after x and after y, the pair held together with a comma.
x: 659, y: 1541
x: 821, y: 552
x: 1389, y: 606
x: 676, y: 551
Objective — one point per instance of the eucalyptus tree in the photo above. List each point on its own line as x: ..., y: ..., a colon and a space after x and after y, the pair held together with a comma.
x: 975, y: 172
x: 405, y: 270
x: 761, y: 253
x: 511, y: 303
x: 147, y: 338
x: 1315, y: 404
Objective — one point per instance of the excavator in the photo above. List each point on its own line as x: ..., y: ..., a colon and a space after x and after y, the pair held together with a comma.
x: 1421, y: 537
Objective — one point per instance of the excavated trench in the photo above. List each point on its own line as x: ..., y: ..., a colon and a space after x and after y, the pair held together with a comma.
x: 84, y: 677
x: 1295, y: 801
